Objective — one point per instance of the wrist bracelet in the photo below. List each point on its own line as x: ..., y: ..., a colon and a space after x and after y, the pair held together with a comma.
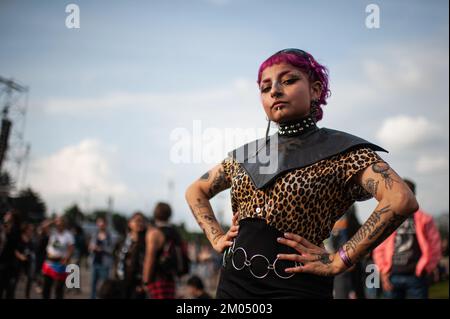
x: 345, y: 258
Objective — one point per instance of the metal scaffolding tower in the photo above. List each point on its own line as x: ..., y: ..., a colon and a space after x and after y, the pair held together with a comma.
x: 14, y: 150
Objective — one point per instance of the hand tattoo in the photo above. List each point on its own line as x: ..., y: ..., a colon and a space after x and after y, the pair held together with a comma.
x: 324, y: 258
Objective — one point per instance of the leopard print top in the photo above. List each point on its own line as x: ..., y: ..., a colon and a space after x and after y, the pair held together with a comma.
x: 306, y: 201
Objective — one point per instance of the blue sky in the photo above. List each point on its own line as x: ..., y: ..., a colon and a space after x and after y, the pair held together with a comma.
x: 104, y: 99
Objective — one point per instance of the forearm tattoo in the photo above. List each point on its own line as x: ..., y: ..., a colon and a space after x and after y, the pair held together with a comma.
x: 205, y: 218
x: 386, y: 229
x: 373, y: 232
x: 383, y: 169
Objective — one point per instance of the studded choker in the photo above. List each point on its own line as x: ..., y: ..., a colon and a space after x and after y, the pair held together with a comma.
x: 297, y: 128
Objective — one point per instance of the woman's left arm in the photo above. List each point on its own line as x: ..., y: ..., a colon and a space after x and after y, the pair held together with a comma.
x: 396, y: 202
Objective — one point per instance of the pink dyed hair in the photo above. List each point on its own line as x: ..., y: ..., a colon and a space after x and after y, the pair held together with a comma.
x: 306, y: 63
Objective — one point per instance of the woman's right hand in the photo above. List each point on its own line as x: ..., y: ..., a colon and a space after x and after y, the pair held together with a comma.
x: 224, y: 241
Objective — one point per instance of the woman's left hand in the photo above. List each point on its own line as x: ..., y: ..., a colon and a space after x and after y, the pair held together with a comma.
x: 314, y: 259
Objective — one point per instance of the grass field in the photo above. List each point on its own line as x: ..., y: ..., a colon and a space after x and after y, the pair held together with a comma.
x: 439, y: 290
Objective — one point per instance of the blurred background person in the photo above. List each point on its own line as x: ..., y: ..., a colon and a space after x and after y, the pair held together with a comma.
x: 9, y: 242
x: 59, y: 251
x: 407, y: 257
x: 42, y: 236
x: 349, y: 284
x: 131, y: 258
x: 101, y: 248
x: 111, y: 289
x: 196, y: 289
x: 443, y: 263
x: 81, y: 247
x: 159, y: 273
x: 208, y: 266
x: 26, y: 257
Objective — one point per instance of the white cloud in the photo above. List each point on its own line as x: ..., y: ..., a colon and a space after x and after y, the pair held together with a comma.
x: 401, y: 76
x: 404, y: 74
x: 74, y: 172
x: 430, y: 164
x: 407, y: 67
x: 403, y: 131
x: 239, y: 93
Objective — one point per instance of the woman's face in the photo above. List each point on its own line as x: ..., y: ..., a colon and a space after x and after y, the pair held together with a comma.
x: 286, y: 93
x: 101, y: 224
x: 136, y: 224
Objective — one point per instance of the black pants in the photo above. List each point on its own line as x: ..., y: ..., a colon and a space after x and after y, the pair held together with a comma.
x: 8, y: 280
x: 48, y: 284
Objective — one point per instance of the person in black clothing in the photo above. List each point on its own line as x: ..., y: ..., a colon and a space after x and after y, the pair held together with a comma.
x: 111, y: 289
x: 26, y: 257
x: 289, y: 188
x: 130, y: 259
x: 9, y: 242
x: 43, y: 234
x: 159, y: 281
x: 196, y: 288
x: 349, y: 284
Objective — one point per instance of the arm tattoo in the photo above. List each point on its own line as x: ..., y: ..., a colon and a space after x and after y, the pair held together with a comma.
x: 371, y: 186
x: 365, y: 229
x: 392, y: 224
x: 383, y: 168
x: 374, y: 231
x: 218, y: 184
x: 205, y: 218
x: 205, y: 177
x: 209, y: 219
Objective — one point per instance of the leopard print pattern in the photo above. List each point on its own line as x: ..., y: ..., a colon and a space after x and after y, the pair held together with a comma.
x: 305, y: 201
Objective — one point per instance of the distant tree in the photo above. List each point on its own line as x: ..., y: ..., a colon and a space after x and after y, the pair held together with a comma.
x: 74, y: 215
x: 197, y: 237
x: 29, y: 205
x: 6, y: 184
x: 96, y: 214
x: 119, y: 221
x: 442, y: 222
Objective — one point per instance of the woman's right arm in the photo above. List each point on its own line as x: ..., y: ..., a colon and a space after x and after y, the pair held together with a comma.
x: 198, y: 195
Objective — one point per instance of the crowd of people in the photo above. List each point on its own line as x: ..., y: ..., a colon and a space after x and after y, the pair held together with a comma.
x: 141, y: 265
x: 408, y: 261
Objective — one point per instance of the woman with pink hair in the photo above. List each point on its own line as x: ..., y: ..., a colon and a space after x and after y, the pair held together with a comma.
x: 288, y: 189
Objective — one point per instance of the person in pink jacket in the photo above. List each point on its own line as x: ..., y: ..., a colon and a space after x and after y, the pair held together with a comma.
x: 408, y: 256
